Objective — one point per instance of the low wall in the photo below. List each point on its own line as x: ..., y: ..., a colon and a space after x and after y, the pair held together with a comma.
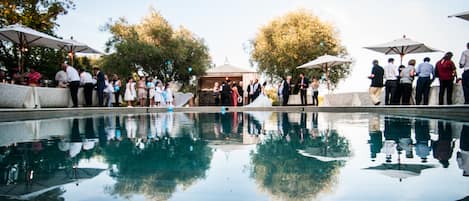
x: 18, y: 96
x: 363, y: 98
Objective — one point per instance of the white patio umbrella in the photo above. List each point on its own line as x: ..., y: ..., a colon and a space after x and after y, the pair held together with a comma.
x: 463, y: 15
x: 26, y: 37
x: 326, y: 62
x: 402, y: 46
x: 72, y: 46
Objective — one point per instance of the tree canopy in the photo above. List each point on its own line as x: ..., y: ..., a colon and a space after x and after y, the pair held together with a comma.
x: 40, y: 15
x: 157, y: 47
x: 294, y: 39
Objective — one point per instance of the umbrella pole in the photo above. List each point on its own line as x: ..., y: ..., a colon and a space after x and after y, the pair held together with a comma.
x: 402, y: 56
x: 71, y: 58
x: 327, y: 79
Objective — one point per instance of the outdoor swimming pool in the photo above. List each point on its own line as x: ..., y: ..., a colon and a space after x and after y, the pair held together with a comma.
x: 234, y: 156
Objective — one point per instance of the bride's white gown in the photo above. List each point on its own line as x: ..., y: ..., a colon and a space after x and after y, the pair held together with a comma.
x: 261, y: 101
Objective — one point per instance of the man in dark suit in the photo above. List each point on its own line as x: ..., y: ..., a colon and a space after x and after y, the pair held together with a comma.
x: 250, y: 91
x: 100, y: 85
x: 286, y: 90
x: 257, y: 89
x: 303, y: 84
x: 226, y: 93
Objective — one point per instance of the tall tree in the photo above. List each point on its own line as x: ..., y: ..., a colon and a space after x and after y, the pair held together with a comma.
x: 153, y: 44
x: 40, y: 15
x: 294, y: 39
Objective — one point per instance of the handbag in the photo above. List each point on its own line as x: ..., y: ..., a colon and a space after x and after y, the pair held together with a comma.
x: 240, y: 99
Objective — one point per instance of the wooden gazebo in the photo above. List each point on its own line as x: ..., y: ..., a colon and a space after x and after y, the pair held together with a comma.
x: 220, y: 74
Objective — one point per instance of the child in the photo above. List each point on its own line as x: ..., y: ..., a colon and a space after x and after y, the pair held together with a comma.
x: 169, y: 95
x: 159, y: 94
x: 130, y: 93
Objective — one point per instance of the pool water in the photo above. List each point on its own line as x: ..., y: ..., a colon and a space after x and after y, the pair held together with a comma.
x: 235, y: 156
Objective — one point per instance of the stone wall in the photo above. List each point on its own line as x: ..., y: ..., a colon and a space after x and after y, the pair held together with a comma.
x: 363, y: 98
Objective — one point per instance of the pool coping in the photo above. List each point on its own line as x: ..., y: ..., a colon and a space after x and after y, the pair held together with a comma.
x: 454, y: 112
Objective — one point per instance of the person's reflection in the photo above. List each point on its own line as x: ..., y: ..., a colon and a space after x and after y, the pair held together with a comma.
x: 463, y: 153
x: 101, y: 131
x: 422, y: 136
x: 226, y: 119
x: 404, y: 133
x: 390, y: 137
x: 303, y: 129
x: 314, y: 132
x: 443, y: 147
x: 286, y: 125
x: 89, y: 129
x: 376, y: 136
x: 241, y: 123
x: 131, y: 126
x: 234, y: 122
x: 118, y: 133
x: 75, y: 136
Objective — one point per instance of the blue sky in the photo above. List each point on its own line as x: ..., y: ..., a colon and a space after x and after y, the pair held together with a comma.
x: 227, y: 26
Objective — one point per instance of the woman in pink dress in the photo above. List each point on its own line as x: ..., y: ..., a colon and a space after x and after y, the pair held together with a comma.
x: 234, y: 94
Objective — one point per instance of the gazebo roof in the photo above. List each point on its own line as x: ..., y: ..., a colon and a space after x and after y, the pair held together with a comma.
x: 227, y: 68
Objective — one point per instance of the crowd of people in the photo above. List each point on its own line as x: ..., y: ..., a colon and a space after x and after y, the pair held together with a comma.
x: 148, y: 92
x: 145, y: 91
x: 230, y: 93
x: 399, y: 80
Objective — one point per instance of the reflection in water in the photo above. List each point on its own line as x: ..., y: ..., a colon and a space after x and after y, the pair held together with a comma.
x: 400, y: 138
x: 463, y: 153
x: 45, y: 165
x: 287, y: 174
x: 292, y: 156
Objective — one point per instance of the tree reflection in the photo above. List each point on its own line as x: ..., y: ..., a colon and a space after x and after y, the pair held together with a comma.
x: 159, y: 168
x: 283, y: 172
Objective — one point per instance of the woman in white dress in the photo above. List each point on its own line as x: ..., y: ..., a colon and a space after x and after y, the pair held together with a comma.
x: 262, y: 100
x: 130, y: 93
x: 169, y: 95
x: 159, y: 94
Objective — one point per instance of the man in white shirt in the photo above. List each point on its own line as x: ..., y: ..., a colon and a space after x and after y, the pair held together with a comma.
x: 73, y: 82
x: 86, y: 80
x: 464, y: 64
x: 61, y: 79
x: 391, y: 72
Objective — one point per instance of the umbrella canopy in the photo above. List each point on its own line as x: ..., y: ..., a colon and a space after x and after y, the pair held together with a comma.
x: 78, y: 47
x: 26, y: 37
x: 73, y: 46
x: 463, y: 15
x: 326, y: 61
x: 402, y: 46
x: 401, y: 171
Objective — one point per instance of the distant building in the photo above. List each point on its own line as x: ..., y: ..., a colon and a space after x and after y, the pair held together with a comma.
x: 220, y: 74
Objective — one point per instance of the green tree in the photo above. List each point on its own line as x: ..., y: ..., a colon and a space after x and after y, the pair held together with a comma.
x: 153, y: 44
x: 294, y: 39
x: 40, y: 15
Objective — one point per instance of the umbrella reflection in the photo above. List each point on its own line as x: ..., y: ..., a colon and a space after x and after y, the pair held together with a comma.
x: 400, y: 171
